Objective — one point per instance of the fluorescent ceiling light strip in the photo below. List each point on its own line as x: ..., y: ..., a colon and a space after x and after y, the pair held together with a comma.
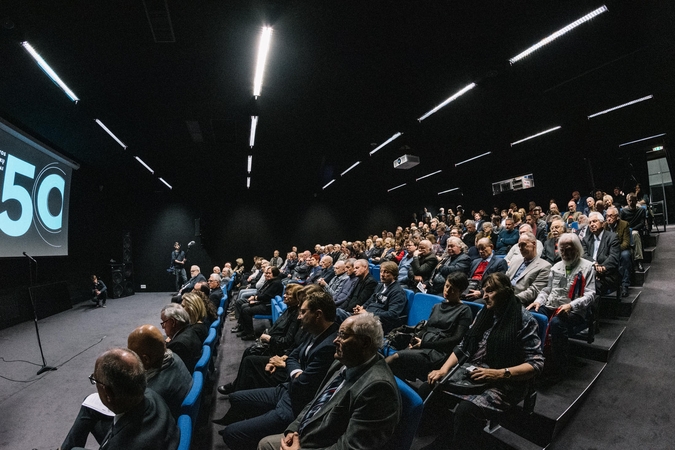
x: 263, y: 49
x: 449, y: 190
x: 249, y: 164
x: 448, y: 100
x: 144, y: 164
x: 393, y: 138
x: 396, y: 187
x: 632, y: 102
x: 49, y: 71
x: 428, y: 175
x: 557, y: 34
x: 535, y: 135
x: 100, y: 124
x: 328, y: 184
x: 471, y: 159
x: 163, y: 181
x: 643, y: 139
x: 254, y: 125
x: 350, y: 168
x: 248, y: 182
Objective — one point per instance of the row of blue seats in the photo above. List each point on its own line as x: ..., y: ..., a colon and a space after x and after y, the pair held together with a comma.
x: 189, y: 410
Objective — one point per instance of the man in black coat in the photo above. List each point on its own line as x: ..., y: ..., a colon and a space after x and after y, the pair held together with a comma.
x: 181, y: 337
x: 196, y: 274
x: 364, y: 288
x: 215, y: 292
x: 423, y: 264
x: 603, y: 248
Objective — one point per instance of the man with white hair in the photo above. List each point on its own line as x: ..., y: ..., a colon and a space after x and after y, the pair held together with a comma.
x: 569, y: 292
x: 622, y: 231
x: 528, y: 272
x: 603, y: 248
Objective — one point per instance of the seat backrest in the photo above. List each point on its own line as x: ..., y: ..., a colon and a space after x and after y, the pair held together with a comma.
x: 185, y: 427
x: 421, y: 307
x: 203, y: 363
x: 411, y: 413
x: 211, y: 338
x: 192, y: 401
x: 475, y: 307
x: 410, y: 295
x: 375, y: 272
x: 542, y: 322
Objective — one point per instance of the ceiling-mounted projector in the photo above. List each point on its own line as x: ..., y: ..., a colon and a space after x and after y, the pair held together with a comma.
x: 406, y: 162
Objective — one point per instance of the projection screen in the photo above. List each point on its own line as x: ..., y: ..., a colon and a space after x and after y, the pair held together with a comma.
x: 34, y: 196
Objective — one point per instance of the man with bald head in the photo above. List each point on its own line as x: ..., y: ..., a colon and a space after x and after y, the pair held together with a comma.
x: 481, y: 267
x: 141, y: 418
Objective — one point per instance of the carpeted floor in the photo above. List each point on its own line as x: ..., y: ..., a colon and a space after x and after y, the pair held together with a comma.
x: 631, y: 406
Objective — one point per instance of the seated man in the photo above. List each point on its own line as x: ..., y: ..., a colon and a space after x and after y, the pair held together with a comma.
x: 603, y: 248
x: 215, y: 291
x: 181, y: 338
x: 636, y: 218
x: 166, y: 375
x: 406, y: 260
x: 455, y: 260
x: 571, y: 215
x: 342, y: 283
x: 528, y: 272
x: 261, y: 303
x: 255, y: 413
x: 388, y: 301
x: 515, y: 250
x: 358, y: 404
x: 245, y: 294
x: 143, y: 420
x: 481, y: 268
x: 506, y: 238
x: 363, y: 287
x: 197, y: 277
x: 422, y: 265
x: 570, y: 291
x: 551, y: 251
x: 622, y: 231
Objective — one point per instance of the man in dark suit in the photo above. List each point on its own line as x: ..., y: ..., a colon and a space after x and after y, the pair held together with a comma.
x: 144, y: 419
x: 455, y: 260
x: 215, y: 292
x: 166, y: 375
x: 622, y: 231
x: 423, y: 263
x: 358, y: 404
x: 388, y: 301
x: 181, y: 337
x: 603, y: 248
x: 196, y: 274
x: 482, y: 267
x: 551, y: 252
x: 364, y: 288
x: 255, y: 413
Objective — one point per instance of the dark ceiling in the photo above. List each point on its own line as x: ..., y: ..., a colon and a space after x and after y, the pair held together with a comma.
x: 340, y: 77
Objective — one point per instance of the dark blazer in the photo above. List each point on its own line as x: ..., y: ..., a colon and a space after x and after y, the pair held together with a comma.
x: 172, y: 382
x: 389, y: 306
x: 190, y: 285
x: 422, y: 266
x: 549, y: 254
x: 608, y: 252
x: 269, y: 290
x: 282, y: 334
x: 361, y: 292
x: 148, y: 426
x: 457, y: 263
x: 215, y: 296
x: 188, y: 346
x: 362, y: 414
x: 314, y: 365
x: 495, y: 265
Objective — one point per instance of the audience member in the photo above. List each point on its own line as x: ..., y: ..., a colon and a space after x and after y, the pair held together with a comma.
x: 528, y: 272
x: 455, y: 260
x: 551, y: 252
x: 487, y: 264
x: 181, y: 338
x: 506, y: 238
x: 197, y: 277
x: 603, y: 249
x: 636, y: 218
x: 422, y: 265
x: 622, y: 231
x: 388, y: 301
x: 515, y: 250
x: 215, y: 292
x: 261, y: 303
x: 363, y: 288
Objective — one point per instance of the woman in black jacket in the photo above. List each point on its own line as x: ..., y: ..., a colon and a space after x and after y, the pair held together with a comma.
x: 445, y: 328
x: 261, y: 303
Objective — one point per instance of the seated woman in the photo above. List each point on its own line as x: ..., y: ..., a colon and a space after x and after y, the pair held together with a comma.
x: 503, y: 344
x: 445, y: 328
x: 194, y: 305
x: 283, y: 335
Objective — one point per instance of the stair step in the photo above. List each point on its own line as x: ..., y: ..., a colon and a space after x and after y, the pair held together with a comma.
x: 648, y: 254
x: 610, y: 309
x: 603, y: 346
x: 640, y: 277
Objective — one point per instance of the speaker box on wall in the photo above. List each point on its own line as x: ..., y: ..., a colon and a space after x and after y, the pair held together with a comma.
x: 128, y: 279
x: 126, y: 247
x: 116, y: 289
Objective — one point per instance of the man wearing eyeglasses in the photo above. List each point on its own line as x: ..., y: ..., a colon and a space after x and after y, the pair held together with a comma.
x: 358, y: 405
x: 255, y: 413
x: 389, y: 299
x: 181, y: 338
x: 215, y: 292
x: 141, y: 418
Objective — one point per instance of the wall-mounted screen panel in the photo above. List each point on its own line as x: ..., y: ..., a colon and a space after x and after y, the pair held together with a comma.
x: 513, y: 184
x: 34, y: 196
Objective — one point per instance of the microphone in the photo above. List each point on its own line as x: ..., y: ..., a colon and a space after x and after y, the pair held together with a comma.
x: 191, y: 243
x: 29, y: 257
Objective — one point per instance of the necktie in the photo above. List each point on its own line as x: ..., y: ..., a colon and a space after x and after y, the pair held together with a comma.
x: 520, y: 271
x: 480, y: 270
x: 322, y: 399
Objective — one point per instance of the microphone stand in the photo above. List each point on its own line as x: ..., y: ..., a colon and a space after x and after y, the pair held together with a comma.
x: 45, y: 367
